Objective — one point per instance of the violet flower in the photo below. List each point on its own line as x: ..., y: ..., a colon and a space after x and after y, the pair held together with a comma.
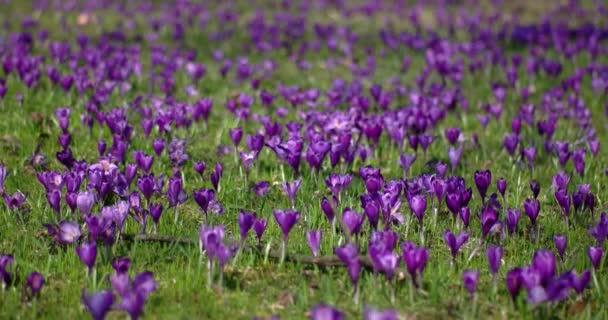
x: 454, y: 243
x: 325, y: 312
x: 291, y: 189
x: 87, y: 252
x: 560, y: 241
x: 483, y: 179
x: 98, y: 304
x: 595, y: 255
x: 314, y: 240
x: 261, y: 188
x: 494, y: 254
x: 532, y: 209
x: 349, y: 255
x: 286, y: 219
x: 5, y: 275
x: 259, y: 226
x: 415, y: 260
x: 470, y: 279
x: 246, y: 221
x: 35, y: 281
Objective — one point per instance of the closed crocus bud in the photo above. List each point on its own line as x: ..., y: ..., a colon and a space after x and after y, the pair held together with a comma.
x: 512, y: 219
x: 246, y: 221
x: 158, y: 145
x: 470, y: 279
x: 494, y: 254
x: 236, y: 134
x: 314, y: 240
x: 514, y: 282
x: 353, y: 220
x: 454, y: 155
x: 87, y: 252
x: 54, y: 199
x: 532, y: 209
x: 259, y: 226
x: 452, y: 135
x: 535, y: 188
x: 501, y: 185
x: 327, y: 208
x: 560, y: 241
x: 35, y: 281
x: 418, y: 206
x: 482, y: 181
x: 595, y: 255
x: 200, y: 167
x: 465, y: 214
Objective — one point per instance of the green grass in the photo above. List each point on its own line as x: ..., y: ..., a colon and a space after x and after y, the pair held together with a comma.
x: 256, y: 286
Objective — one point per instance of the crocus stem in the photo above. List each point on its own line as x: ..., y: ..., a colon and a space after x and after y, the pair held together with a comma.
x: 356, y: 294
x: 221, y: 280
x: 411, y: 291
x: 597, y: 285
x: 94, y: 275
x: 421, y: 233
x: 175, y: 210
x: 209, y: 273
x: 392, y: 292
x: 283, y: 251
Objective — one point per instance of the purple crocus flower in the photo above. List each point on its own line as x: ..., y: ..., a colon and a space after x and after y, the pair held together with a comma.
x: 203, y: 198
x: 600, y: 230
x: 494, y: 254
x: 418, y: 207
x: 143, y: 160
x: 352, y: 220
x: 5, y: 275
x: 501, y: 185
x: 246, y: 221
x: 85, y: 201
x: 156, y: 210
x: 512, y: 219
x: 454, y: 243
x: 286, y: 219
x: 236, y: 134
x: 98, y: 304
x: 54, y: 199
x: 291, y: 189
x: 560, y: 241
x: 595, y: 255
x: 328, y: 209
x: 406, y: 161
x: 175, y: 192
x: 530, y: 154
x: 349, y: 255
x: 489, y: 217
x: 535, y: 188
x: 87, y: 252
x: 216, y: 176
x: 261, y: 188
x: 452, y: 134
x: 338, y: 183
x: 415, y: 260
x: 532, y: 209
x: 563, y: 199
x: 325, y: 312
x: 465, y: 214
x: 314, y: 240
x: 158, y: 145
x: 65, y: 232
x: 259, y: 226
x: 247, y: 159
x: 200, y: 167
x: 514, y: 282
x: 483, y: 179
x: 35, y: 281
x: 579, y: 282
x: 146, y: 185
x: 470, y: 278
x: 454, y: 155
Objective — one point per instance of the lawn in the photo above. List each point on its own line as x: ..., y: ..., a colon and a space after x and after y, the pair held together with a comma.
x: 303, y: 160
